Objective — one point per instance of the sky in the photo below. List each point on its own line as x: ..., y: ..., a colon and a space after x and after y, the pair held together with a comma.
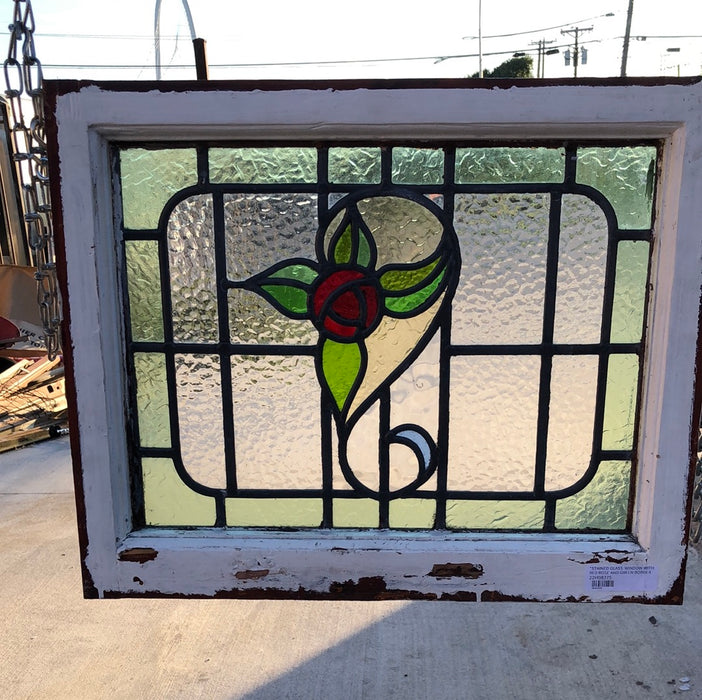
x: 316, y: 39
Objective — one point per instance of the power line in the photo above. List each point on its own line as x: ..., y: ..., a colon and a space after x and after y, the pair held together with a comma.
x: 544, y: 29
x: 272, y: 64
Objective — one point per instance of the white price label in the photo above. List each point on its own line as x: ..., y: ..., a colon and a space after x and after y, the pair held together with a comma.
x: 621, y: 577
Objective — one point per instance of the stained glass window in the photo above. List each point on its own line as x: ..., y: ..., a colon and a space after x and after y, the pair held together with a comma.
x: 400, y: 336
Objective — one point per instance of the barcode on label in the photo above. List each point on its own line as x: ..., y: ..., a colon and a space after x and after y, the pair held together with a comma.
x: 611, y: 578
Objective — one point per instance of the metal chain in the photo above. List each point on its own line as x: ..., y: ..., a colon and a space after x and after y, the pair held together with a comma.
x: 696, y: 525
x: 23, y: 82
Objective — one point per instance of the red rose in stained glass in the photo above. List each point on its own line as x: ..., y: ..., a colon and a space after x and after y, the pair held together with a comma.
x: 345, y: 305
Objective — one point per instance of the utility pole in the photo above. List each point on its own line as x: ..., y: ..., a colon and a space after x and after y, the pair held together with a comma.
x: 575, y: 32
x: 627, y: 36
x: 541, y: 55
x: 480, y: 38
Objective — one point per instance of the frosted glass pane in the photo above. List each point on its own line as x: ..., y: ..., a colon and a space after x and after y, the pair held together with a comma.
x: 501, y: 165
x: 404, y: 231
x: 630, y: 291
x: 413, y: 513
x: 168, y: 502
x: 355, y: 512
x: 417, y: 166
x: 571, y: 419
x: 274, y: 512
x: 200, y: 418
x: 152, y: 400
x: 625, y: 176
x: 620, y: 402
x: 276, y: 422
x: 144, y: 286
x: 253, y: 320
x: 190, y: 239
x: 360, y: 165
x: 263, y: 165
x: 582, y: 258
x: 500, y: 294
x: 414, y: 399
x: 263, y: 229
x: 150, y: 178
x: 495, y: 515
x: 362, y: 451
x: 493, y: 414
x: 602, y: 504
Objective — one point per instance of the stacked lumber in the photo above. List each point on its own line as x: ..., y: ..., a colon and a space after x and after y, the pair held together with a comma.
x: 32, y: 400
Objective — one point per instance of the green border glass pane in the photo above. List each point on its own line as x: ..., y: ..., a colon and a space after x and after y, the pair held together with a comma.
x: 152, y: 400
x: 476, y: 166
x: 602, y: 504
x: 168, y: 502
x: 355, y: 512
x: 354, y: 165
x: 150, y: 178
x: 412, y: 513
x: 630, y: 291
x: 625, y: 175
x: 417, y: 166
x: 263, y: 165
x: 620, y: 402
x: 274, y: 512
x: 494, y: 515
x: 144, y: 290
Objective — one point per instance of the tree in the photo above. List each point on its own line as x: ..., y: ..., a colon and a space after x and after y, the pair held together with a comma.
x: 517, y: 67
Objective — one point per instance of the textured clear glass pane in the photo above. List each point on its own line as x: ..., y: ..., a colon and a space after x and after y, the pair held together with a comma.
x: 620, y: 402
x: 404, y: 231
x: 144, y: 286
x: 602, y: 504
x: 582, y: 258
x: 168, y: 502
x: 253, y: 320
x: 276, y: 422
x: 624, y: 175
x: 571, y: 419
x: 263, y: 165
x: 417, y: 166
x: 502, y: 165
x: 190, y: 238
x: 152, y: 400
x: 362, y: 452
x: 263, y: 229
x: 274, y: 512
x: 200, y: 418
x: 495, y: 515
x: 389, y: 346
x: 412, y: 513
x: 355, y: 512
x: 630, y: 291
x: 149, y: 179
x: 492, y: 423
x: 500, y: 294
x: 358, y: 164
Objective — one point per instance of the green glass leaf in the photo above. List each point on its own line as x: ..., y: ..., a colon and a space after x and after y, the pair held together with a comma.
x: 300, y: 272
x: 413, y: 302
x: 396, y: 280
x: 341, y: 364
x: 364, y: 250
x: 291, y: 299
x: 342, y: 249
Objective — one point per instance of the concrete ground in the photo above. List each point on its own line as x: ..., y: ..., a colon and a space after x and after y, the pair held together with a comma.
x: 54, y: 644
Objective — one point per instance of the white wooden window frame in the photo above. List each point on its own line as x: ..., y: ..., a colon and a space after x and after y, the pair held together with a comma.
x: 117, y: 560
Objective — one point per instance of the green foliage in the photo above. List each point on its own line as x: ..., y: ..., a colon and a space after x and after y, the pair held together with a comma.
x: 519, y: 67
